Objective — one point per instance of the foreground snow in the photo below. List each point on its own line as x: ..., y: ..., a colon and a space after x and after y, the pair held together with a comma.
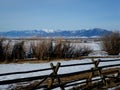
x: 5, y: 68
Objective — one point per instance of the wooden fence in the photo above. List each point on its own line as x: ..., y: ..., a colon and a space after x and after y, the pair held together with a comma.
x: 55, y: 80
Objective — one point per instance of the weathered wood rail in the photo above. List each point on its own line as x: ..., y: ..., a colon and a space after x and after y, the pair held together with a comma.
x: 55, y: 79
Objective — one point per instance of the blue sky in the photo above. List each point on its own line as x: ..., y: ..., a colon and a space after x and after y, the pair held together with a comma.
x: 59, y: 14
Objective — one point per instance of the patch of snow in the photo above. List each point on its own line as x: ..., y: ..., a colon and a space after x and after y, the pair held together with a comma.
x: 109, y: 63
x: 49, y: 30
x: 98, y: 53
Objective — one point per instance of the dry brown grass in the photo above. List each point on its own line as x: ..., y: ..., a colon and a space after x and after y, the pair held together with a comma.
x: 42, y: 50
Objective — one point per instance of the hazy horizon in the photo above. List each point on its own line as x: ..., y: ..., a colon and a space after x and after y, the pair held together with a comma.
x: 52, y: 30
x: 59, y: 14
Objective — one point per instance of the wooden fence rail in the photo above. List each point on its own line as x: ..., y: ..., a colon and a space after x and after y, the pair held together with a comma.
x: 24, y: 72
x: 55, y: 76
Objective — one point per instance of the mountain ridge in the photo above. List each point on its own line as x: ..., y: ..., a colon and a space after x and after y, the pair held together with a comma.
x: 55, y: 33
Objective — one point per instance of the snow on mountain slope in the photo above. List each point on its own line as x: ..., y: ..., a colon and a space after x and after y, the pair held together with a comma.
x: 49, y: 30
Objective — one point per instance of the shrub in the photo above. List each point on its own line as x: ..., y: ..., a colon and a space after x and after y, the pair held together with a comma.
x: 7, y: 52
x: 4, y: 50
x: 57, y: 49
x: 47, y: 50
x: 68, y: 50
x: 1, y: 50
x: 62, y: 49
x: 85, y: 51
x: 39, y: 50
x: 82, y: 51
x: 18, y: 51
x: 111, y: 43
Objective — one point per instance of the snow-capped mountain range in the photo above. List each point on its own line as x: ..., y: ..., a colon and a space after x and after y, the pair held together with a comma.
x: 56, y: 33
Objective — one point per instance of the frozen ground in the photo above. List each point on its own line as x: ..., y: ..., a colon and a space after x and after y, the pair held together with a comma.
x: 5, y: 68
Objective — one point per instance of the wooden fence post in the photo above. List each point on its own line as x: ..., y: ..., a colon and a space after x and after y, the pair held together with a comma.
x: 54, y: 73
x: 96, y: 63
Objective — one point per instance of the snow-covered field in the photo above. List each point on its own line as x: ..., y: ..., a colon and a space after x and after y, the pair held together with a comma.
x: 6, y: 68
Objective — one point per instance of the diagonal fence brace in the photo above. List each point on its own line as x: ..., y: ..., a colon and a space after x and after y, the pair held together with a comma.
x: 54, y: 74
